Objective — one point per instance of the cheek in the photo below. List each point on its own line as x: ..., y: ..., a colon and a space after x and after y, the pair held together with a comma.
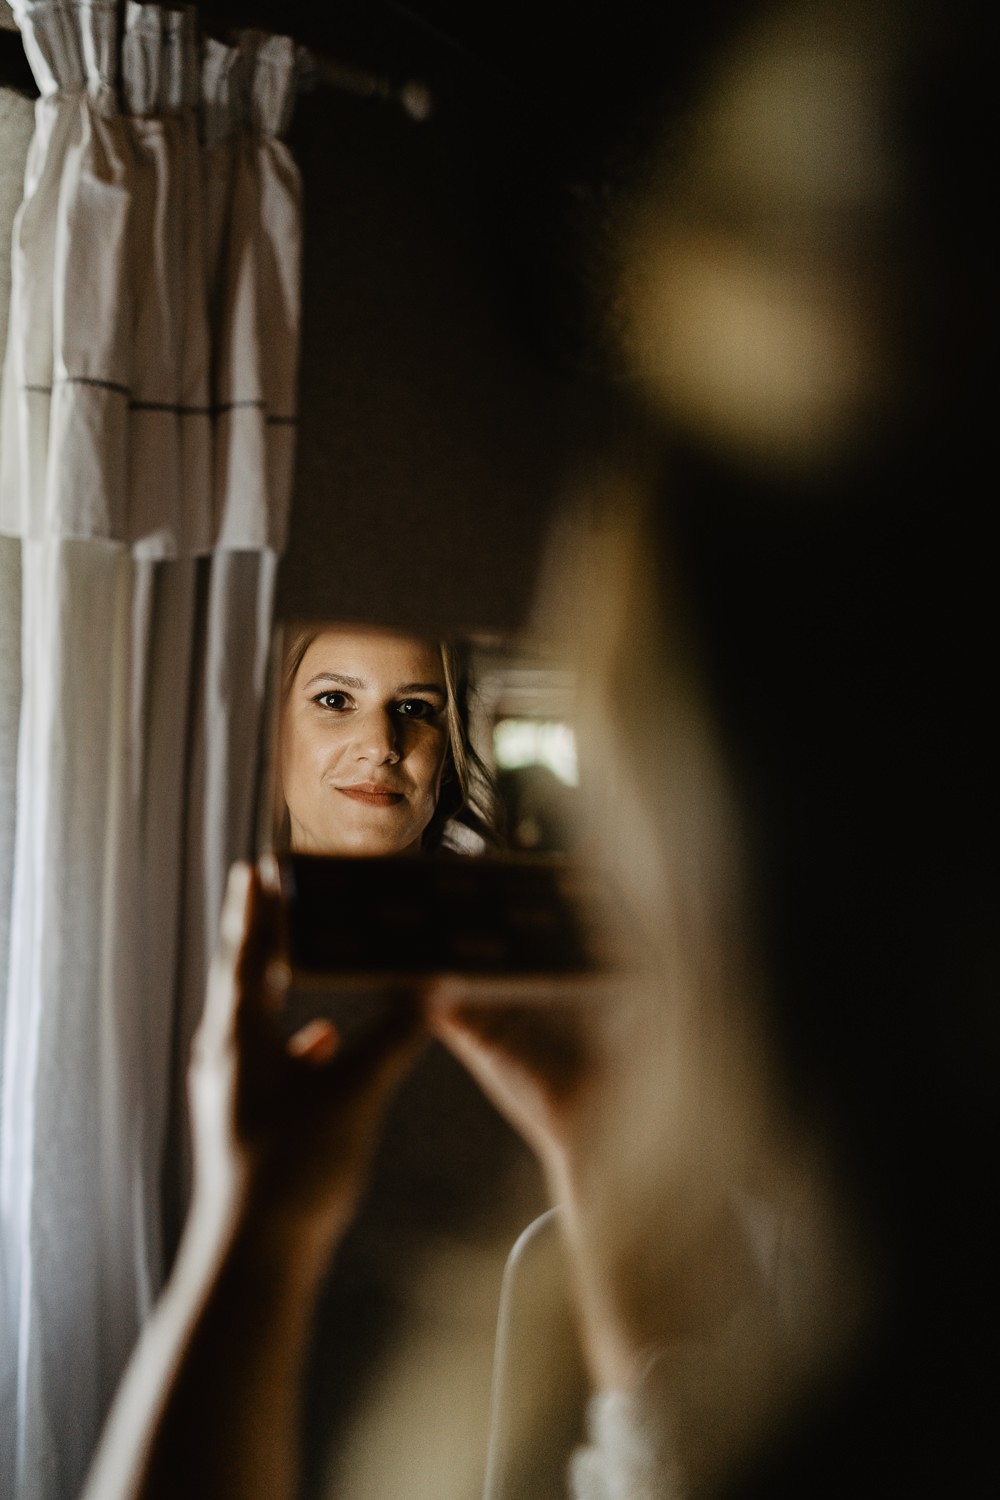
x: 435, y: 760
x: 307, y: 750
x: 426, y: 763
x: 286, y: 760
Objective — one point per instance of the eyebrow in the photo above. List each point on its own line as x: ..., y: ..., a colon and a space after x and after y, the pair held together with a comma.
x: 422, y: 687
x: 342, y: 680
x: 351, y: 682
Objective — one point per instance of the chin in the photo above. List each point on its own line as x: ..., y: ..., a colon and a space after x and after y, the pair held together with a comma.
x: 359, y: 845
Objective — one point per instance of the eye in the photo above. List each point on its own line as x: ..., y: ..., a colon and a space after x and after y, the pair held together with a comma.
x: 333, y: 701
x: 416, y: 708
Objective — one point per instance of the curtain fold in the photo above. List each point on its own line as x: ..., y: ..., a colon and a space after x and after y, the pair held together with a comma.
x: 146, y: 446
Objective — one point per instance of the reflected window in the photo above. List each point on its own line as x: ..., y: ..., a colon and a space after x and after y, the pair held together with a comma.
x: 518, y: 743
x: 524, y: 728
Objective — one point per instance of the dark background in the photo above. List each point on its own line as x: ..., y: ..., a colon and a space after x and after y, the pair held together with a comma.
x: 455, y: 373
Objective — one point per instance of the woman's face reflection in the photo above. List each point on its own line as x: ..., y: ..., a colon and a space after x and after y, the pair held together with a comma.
x: 364, y: 737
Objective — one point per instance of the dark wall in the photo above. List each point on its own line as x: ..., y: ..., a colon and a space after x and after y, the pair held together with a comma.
x: 431, y: 425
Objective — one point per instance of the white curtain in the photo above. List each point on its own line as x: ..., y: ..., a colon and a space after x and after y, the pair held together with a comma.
x: 145, y: 466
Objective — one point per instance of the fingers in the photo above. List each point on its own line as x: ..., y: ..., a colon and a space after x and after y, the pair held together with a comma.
x: 216, y: 1028
x: 314, y: 1043
x: 262, y: 972
x: 248, y: 976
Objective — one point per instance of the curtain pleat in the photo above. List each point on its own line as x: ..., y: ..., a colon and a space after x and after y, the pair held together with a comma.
x: 146, y: 448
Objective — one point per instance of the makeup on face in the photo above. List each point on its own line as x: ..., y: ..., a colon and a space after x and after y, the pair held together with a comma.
x: 363, y: 742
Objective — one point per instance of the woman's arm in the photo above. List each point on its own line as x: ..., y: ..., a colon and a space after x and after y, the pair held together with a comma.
x: 678, y: 1313
x: 647, y: 1220
x: 209, y: 1407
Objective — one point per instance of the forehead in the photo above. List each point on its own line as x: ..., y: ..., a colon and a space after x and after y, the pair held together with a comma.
x: 383, y: 658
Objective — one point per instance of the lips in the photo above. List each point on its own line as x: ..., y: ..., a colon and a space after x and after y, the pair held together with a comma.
x: 371, y: 794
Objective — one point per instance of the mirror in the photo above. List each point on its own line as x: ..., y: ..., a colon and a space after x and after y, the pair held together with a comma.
x: 418, y: 799
x: 473, y: 746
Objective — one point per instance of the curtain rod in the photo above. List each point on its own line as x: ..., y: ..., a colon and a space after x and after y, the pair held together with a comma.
x: 413, y: 97
x: 314, y: 70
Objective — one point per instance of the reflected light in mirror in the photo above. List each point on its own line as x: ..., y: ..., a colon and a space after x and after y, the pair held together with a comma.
x: 524, y: 727
x: 529, y: 742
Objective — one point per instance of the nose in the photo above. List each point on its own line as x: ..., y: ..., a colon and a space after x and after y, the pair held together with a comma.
x: 378, y: 738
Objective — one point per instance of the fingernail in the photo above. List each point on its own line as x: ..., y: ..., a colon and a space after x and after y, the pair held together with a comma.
x: 316, y: 1042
